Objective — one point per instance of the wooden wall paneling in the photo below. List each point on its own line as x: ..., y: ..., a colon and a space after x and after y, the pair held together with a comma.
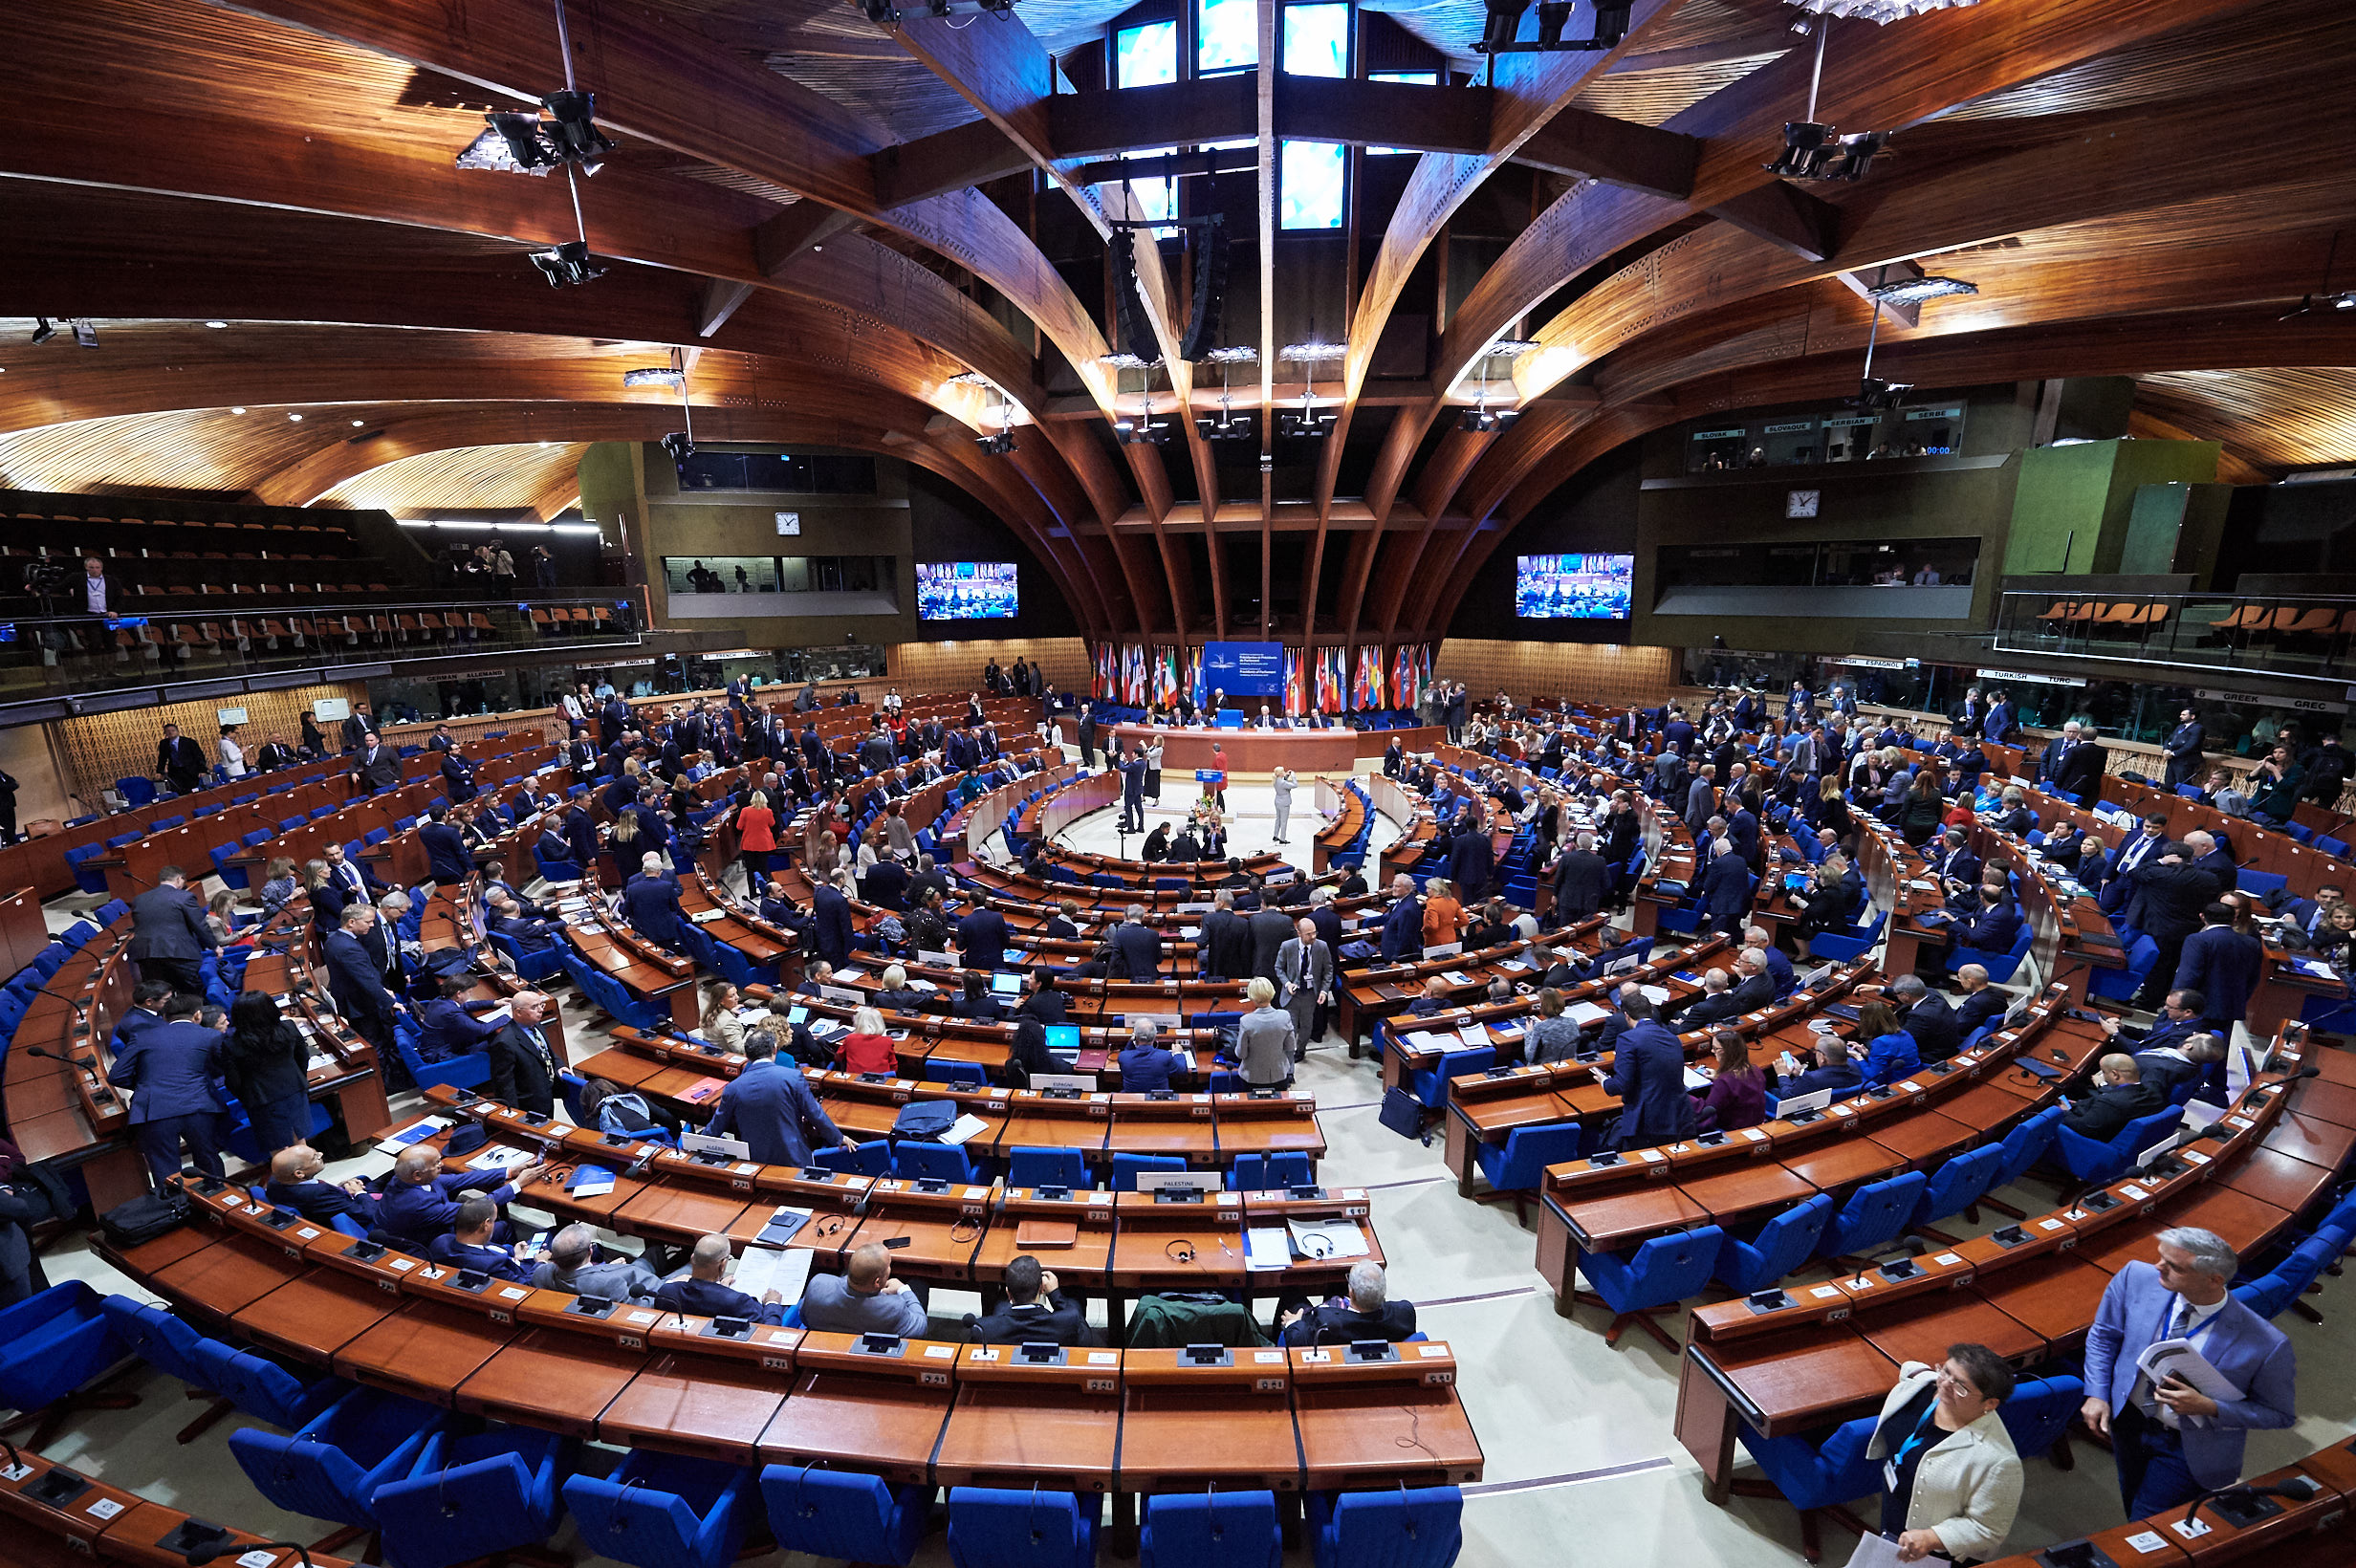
x: 100, y: 748
x: 957, y: 664
x: 1601, y: 672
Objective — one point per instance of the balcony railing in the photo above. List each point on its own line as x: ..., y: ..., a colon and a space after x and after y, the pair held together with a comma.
x: 63, y: 656
x: 2300, y: 637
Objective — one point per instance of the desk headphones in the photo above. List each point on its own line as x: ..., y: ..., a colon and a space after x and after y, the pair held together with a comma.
x: 833, y: 1225
x: 1179, y: 1251
x: 967, y: 1229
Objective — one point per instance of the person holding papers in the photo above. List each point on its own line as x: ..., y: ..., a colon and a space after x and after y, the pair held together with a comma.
x: 707, y: 1293
x: 2171, y: 1440
x: 1950, y: 1478
x: 769, y: 1106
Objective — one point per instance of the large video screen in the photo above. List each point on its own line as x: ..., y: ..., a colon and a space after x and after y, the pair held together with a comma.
x: 965, y: 590
x: 1574, y: 587
x: 1244, y: 670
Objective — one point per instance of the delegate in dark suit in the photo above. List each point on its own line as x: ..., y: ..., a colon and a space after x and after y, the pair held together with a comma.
x: 1050, y: 1320
x: 1649, y: 1077
x: 769, y: 1106
x: 448, y: 858
x: 182, y: 761
x: 168, y: 935
x: 377, y: 766
x: 170, y: 1071
x: 1581, y: 883
x: 653, y: 907
x: 1933, y: 1022
x: 2079, y: 772
x: 981, y: 939
x: 1271, y: 929
x: 2166, y: 907
x: 1140, y: 950
x: 1471, y: 855
x: 523, y: 1070
x: 1226, y: 946
x: 358, y: 986
x: 2224, y: 965
x: 830, y: 915
x: 2105, y: 1114
x: 418, y: 1211
x: 1982, y: 1008
x: 323, y: 1200
x: 710, y: 1298
x: 1340, y: 1323
x: 1726, y: 893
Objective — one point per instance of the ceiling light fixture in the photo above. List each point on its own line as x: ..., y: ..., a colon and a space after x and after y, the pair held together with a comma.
x: 85, y: 332
x: 1875, y: 395
x: 42, y: 331
x: 1504, y: 20
x: 1128, y: 361
x: 1228, y: 425
x: 525, y: 144
x: 1914, y: 290
x: 1813, y: 149
x: 568, y: 263
x: 216, y: 325
x: 654, y: 376
x: 1310, y: 352
x: 999, y: 443
x: 2342, y: 300
x: 1884, y: 12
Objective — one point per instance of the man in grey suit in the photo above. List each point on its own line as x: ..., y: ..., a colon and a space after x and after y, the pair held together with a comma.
x: 1282, y: 782
x: 1304, y: 983
x: 572, y: 1266
x: 169, y: 934
x: 863, y: 1299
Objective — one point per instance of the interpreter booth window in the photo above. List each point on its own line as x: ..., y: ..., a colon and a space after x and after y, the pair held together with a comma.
x: 1919, y: 563
x: 778, y: 574
x: 1801, y: 439
x: 786, y: 473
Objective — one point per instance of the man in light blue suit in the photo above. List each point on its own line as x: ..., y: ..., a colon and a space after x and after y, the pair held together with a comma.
x: 2170, y: 1442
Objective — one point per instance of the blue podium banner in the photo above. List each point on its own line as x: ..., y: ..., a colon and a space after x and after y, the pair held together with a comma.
x: 1244, y: 670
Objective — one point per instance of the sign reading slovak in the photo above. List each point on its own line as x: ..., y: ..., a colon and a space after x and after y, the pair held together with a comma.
x: 1244, y: 670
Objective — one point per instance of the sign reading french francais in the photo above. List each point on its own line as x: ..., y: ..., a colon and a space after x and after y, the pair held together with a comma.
x: 1244, y: 670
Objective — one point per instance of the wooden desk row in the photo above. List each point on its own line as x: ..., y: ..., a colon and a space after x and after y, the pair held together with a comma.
x: 59, y: 1516
x: 2307, y: 1529
x: 1208, y: 1130
x: 1599, y: 1204
x: 1813, y: 1355
x: 916, y: 1411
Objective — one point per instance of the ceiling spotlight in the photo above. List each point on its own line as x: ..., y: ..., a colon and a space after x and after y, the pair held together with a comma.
x: 42, y: 331
x: 1480, y: 419
x: 1504, y: 20
x: 216, y: 325
x: 1509, y: 348
x: 565, y: 264
x: 969, y: 378
x: 1241, y: 354
x: 654, y: 376
x: 1913, y: 291
x: 679, y: 445
x: 1308, y: 424
x: 1145, y: 431
x: 571, y: 131
x: 1884, y: 12
x: 238, y: 410
x: 1309, y: 353
x: 1877, y: 395
x: 296, y: 418
x: 1224, y: 425
x: 999, y: 443
x: 1128, y: 361
x: 86, y: 334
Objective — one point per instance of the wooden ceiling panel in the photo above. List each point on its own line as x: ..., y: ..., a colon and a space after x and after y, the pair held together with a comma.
x: 2280, y: 418
x: 466, y: 478
x: 214, y: 451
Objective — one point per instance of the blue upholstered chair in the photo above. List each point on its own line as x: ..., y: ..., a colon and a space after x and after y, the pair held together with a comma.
x: 989, y: 1527
x: 1955, y: 1188
x: 468, y: 1496
x: 663, y: 1511
x: 1517, y: 1168
x: 51, y: 1345
x: 1126, y: 1166
x: 333, y: 1468
x: 1231, y: 1528
x: 1815, y: 1473
x: 1875, y: 1215
x: 2122, y: 985
x: 2038, y: 1416
x: 873, y: 1157
x: 836, y: 1513
x: 1410, y: 1528
x: 262, y: 1388
x: 1264, y: 1172
x: 2023, y: 1148
x: 943, y: 1161
x: 1033, y: 1167
x: 1660, y: 1273
x: 1781, y: 1246
x: 1430, y: 1084
x: 2096, y: 1164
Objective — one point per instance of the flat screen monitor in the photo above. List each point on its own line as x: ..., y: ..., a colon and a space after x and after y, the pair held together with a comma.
x: 966, y: 591
x: 1006, y: 985
x: 1574, y: 587
x: 1244, y: 670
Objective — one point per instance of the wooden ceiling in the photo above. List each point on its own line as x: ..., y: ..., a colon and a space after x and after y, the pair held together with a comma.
x: 834, y: 220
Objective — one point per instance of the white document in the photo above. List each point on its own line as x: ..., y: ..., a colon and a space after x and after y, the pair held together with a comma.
x: 1583, y: 1014
x: 705, y: 917
x: 1474, y: 1037
x: 1422, y: 1040
x: 1321, y: 1239
x: 1874, y: 1552
x: 783, y: 1270
x: 704, y: 1143
x: 1266, y: 1248
x: 1657, y: 995
x: 1694, y: 1079
x: 2181, y: 1359
x: 963, y: 1129
x: 499, y: 1158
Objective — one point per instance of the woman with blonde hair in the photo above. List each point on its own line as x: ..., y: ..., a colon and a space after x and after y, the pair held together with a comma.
x: 756, y: 837
x: 279, y: 885
x: 867, y: 1048
x: 721, y: 1026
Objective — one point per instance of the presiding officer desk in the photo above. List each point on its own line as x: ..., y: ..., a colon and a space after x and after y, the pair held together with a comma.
x: 1809, y: 1355
x: 912, y: 1411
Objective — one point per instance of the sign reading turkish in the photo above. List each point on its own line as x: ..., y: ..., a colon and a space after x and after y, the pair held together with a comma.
x: 1244, y: 670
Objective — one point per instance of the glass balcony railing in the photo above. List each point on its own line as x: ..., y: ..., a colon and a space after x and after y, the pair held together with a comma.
x: 2305, y: 636
x: 53, y: 655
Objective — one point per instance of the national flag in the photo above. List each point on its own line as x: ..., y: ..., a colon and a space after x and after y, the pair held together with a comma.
x: 1367, y: 688
x: 1295, y: 682
x: 1332, y: 678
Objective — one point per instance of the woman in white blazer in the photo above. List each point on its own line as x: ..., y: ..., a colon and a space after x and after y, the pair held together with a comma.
x: 1950, y: 1480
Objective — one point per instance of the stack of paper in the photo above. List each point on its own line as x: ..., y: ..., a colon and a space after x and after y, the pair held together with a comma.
x: 1323, y: 1239
x: 1266, y: 1248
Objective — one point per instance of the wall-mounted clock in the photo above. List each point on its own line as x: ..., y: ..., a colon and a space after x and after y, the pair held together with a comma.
x: 1802, y: 503
x: 789, y: 524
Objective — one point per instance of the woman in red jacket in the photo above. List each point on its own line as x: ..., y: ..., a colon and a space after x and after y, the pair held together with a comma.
x: 867, y: 1048
x: 757, y: 837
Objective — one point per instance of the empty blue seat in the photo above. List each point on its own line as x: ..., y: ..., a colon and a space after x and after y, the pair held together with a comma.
x: 1030, y: 1166
x: 1518, y: 1166
x: 52, y: 1344
x: 1264, y: 1172
x: 1660, y: 1273
x: 469, y: 1496
x: 968, y: 1073
x: 334, y: 1467
x: 1231, y: 1528
x: 1781, y: 1245
x: 941, y: 1162
x: 1875, y: 1215
x: 873, y: 1157
x: 2022, y: 1149
x: 1430, y: 1084
x: 663, y: 1511
x: 1957, y: 1184
x: 262, y: 1388
x: 989, y: 1527
x: 839, y: 1515
x: 2260, y: 882
x: 1407, y: 1528
x: 1815, y: 1474
x: 1126, y: 1168
x: 135, y: 791
x: 76, y: 934
x: 2038, y: 1414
